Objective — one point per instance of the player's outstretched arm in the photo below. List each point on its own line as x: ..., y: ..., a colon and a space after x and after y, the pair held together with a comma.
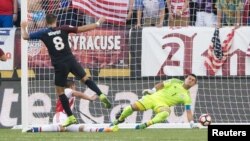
x: 83, y: 95
x: 88, y: 27
x: 24, y: 32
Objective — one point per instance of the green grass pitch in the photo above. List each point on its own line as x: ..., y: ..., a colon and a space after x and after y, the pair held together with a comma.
x: 122, y: 135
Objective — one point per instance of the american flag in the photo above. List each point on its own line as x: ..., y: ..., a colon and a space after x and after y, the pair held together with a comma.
x: 115, y: 11
x: 218, y: 53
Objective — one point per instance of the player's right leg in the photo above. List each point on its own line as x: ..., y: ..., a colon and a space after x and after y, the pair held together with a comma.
x: 65, y: 104
x: 61, y: 74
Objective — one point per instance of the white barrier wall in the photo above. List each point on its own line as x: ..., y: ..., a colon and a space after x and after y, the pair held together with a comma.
x: 175, y: 52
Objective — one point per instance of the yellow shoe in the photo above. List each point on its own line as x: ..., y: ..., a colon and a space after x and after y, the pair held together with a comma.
x: 103, y: 98
x: 70, y: 120
x: 116, y: 122
x: 115, y: 128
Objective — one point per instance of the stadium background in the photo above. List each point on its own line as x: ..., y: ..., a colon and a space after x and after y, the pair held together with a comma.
x: 217, y: 98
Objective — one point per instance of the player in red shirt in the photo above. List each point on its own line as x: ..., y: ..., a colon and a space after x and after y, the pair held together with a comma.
x: 8, y: 12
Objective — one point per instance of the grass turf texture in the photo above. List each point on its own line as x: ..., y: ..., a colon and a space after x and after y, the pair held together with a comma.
x: 121, y: 135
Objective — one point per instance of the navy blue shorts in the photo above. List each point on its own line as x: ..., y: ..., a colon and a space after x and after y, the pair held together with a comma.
x: 62, y: 70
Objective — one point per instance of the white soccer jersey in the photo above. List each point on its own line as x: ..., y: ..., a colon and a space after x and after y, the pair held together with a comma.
x: 60, y: 115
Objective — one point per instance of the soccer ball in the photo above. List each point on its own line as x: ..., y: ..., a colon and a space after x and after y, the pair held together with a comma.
x: 205, y: 119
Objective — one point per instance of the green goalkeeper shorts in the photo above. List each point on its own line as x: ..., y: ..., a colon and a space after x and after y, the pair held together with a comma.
x: 152, y: 102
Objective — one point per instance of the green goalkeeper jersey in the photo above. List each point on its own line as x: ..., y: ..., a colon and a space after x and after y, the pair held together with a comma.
x: 173, y: 93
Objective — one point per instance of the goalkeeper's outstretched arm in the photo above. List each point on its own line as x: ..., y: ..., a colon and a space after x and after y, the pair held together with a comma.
x: 190, y: 117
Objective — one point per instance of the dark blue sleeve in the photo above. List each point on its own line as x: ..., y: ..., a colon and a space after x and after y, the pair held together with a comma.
x: 36, y: 35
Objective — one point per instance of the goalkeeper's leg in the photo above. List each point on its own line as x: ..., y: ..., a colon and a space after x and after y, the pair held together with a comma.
x: 127, y: 111
x: 161, y: 114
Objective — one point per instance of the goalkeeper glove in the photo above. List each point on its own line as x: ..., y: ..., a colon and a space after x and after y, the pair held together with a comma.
x: 149, y: 91
x: 193, y: 125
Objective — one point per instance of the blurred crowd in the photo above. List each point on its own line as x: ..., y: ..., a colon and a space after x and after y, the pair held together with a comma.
x: 141, y: 13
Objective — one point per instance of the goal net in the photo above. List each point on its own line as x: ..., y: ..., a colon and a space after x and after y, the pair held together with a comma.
x: 124, y: 60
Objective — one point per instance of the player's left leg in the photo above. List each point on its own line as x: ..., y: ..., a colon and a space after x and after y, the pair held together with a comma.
x: 162, y: 113
x: 92, y: 85
x: 78, y: 71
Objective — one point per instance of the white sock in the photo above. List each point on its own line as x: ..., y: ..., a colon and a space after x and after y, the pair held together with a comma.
x: 87, y: 129
x: 50, y: 128
x: 74, y: 128
x: 95, y: 129
x: 82, y: 128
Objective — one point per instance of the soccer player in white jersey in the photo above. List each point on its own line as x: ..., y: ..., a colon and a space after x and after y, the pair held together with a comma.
x: 60, y: 115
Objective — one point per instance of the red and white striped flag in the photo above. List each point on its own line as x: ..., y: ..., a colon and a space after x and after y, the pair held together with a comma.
x: 115, y: 11
x: 217, y: 54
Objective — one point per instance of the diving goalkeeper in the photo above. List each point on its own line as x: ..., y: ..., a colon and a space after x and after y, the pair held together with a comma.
x: 164, y: 95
